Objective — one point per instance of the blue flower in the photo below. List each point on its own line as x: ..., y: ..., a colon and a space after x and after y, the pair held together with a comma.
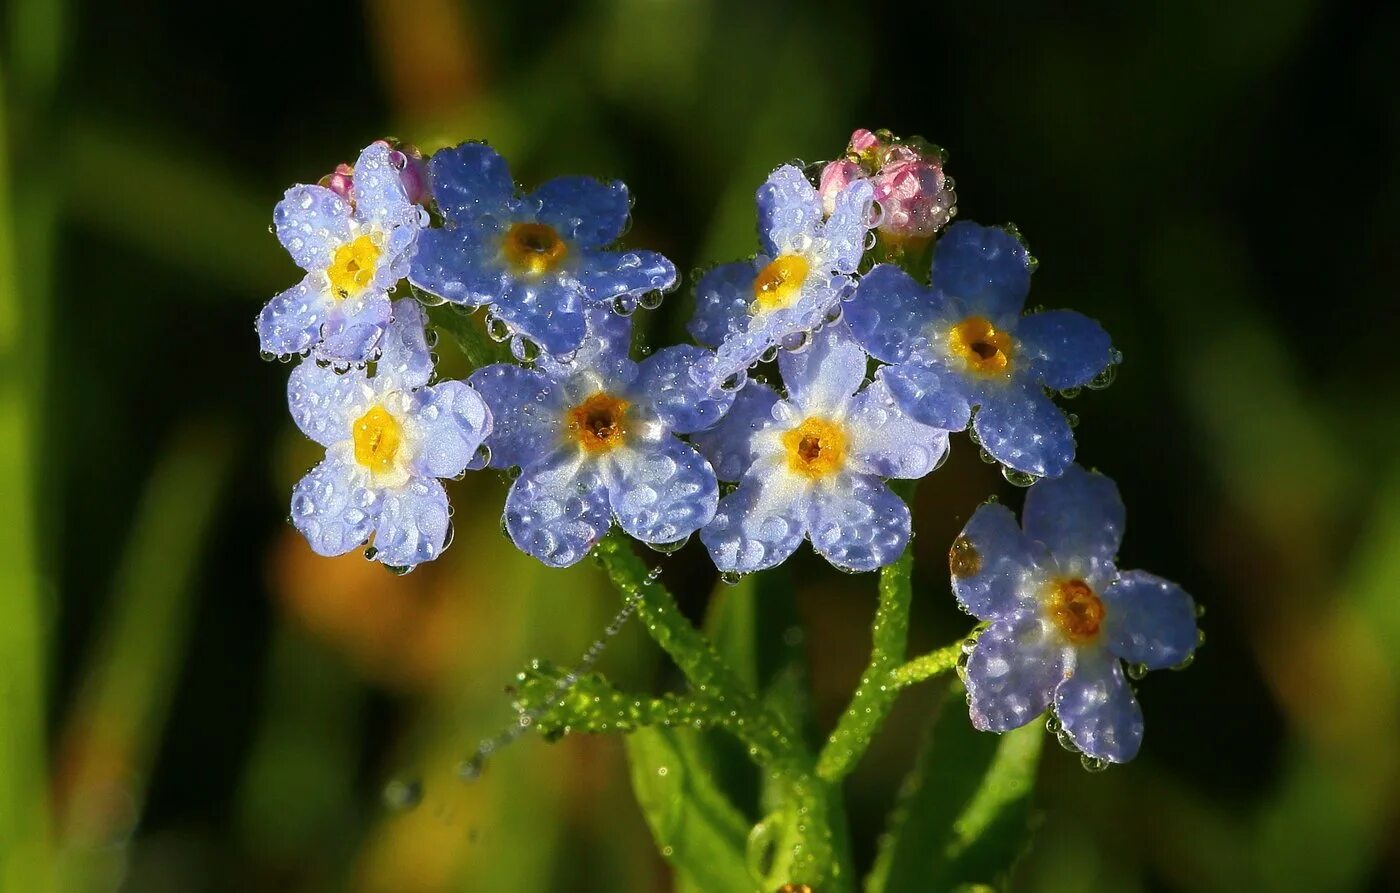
x: 1063, y: 618
x: 352, y: 253
x: 812, y: 465
x: 750, y: 308
x: 964, y: 343
x: 594, y: 438
x: 538, y: 261
x: 388, y: 438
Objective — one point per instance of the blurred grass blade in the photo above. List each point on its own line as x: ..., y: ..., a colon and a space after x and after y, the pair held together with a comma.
x: 696, y: 827
x: 110, y: 738
x: 963, y: 815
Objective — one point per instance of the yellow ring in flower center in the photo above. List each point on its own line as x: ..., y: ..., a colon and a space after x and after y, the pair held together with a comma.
x: 352, y: 266
x: 986, y: 349
x: 816, y: 448
x: 779, y: 283
x: 599, y: 424
x: 1075, y: 609
x: 534, y: 248
x: 377, y: 437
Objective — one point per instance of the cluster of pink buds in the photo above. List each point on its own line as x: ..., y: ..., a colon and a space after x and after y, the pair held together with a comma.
x: 413, y: 171
x: 916, y: 197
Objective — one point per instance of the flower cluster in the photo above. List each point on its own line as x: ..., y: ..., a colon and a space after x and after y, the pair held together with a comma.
x: 819, y: 374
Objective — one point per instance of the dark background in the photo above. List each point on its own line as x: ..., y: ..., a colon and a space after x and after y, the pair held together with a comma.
x: 1216, y: 183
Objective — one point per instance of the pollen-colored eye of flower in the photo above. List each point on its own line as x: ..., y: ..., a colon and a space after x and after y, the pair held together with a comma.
x: 352, y: 267
x: 377, y: 439
x: 599, y: 423
x: 780, y: 282
x: 534, y: 248
x: 1075, y: 609
x: 816, y: 448
x: 987, y: 350
x: 963, y: 559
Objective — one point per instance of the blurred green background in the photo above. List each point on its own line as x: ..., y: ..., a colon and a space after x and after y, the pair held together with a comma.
x: 191, y: 701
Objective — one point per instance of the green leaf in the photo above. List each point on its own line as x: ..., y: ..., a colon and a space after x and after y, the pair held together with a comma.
x: 964, y: 812
x: 696, y: 827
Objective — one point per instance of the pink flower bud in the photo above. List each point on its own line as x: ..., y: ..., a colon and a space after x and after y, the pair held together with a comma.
x: 863, y: 141
x: 914, y: 197
x: 836, y: 176
x: 341, y: 181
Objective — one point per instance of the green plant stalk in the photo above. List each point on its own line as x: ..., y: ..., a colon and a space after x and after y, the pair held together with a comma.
x: 925, y: 666
x: 773, y: 744
x: 874, y: 696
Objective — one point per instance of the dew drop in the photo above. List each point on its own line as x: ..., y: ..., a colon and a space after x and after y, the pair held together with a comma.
x: 403, y: 794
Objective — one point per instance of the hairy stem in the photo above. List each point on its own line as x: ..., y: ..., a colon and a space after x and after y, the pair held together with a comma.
x: 772, y: 742
x: 874, y: 695
x: 926, y: 666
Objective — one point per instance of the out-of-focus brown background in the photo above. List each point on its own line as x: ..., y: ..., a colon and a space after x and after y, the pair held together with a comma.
x: 192, y: 701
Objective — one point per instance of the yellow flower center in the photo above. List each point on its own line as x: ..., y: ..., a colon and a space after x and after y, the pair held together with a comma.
x: 352, y: 267
x: 780, y: 282
x: 599, y: 424
x: 816, y: 448
x: 986, y: 350
x: 534, y: 248
x: 377, y: 439
x: 1074, y: 607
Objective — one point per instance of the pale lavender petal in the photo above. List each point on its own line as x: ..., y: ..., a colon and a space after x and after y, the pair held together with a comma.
x: 334, y: 508
x: 1149, y: 620
x: 662, y: 492
x: 413, y: 524
x: 557, y: 509
x: 857, y: 523
x: 1012, y: 672
x: 885, y: 441
x: 1097, y: 708
x: 311, y: 223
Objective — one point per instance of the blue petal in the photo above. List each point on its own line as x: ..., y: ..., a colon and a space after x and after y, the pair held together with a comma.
x: 1012, y: 672
x: 758, y: 525
x: 325, y: 405
x: 607, y: 275
x: 844, y: 231
x: 291, y: 322
x: 985, y: 267
x: 311, y: 223
x: 1080, y: 519
x: 857, y: 524
x: 404, y: 359
x: 586, y: 211
x: 729, y: 444
x: 547, y: 312
x: 683, y: 404
x: 1097, y: 708
x: 890, y: 314
x: 413, y: 524
x: 887, y: 442
x: 662, y: 492
x: 1022, y: 428
x: 380, y: 198
x: 334, y: 508
x: 526, y: 409
x: 1068, y: 349
x: 470, y: 180
x: 996, y: 569
x: 1149, y: 620
x: 931, y: 395
x: 460, y: 264
x: 454, y: 420
x: 557, y: 509
x: 353, y: 328
x: 606, y: 347
x: 831, y: 369
x: 789, y: 211
x: 722, y: 299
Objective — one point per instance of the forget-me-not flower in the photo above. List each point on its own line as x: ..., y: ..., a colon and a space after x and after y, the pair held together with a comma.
x: 963, y: 343
x: 594, y: 438
x: 388, y: 439
x: 540, y: 260
x: 1063, y: 617
x: 813, y: 465
x: 353, y: 252
x: 749, y: 308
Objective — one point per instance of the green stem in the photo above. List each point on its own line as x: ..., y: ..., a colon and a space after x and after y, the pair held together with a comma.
x: 772, y: 742
x: 590, y: 704
x: 926, y: 666
x: 470, y: 335
x: 874, y: 695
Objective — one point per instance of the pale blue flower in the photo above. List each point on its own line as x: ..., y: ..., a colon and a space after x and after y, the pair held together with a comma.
x: 353, y: 254
x: 388, y: 437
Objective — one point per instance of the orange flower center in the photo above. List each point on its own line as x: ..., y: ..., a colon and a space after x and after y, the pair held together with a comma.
x: 599, y: 424
x: 352, y: 267
x: 986, y: 350
x: 816, y: 448
x: 1075, y: 609
x: 534, y: 248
